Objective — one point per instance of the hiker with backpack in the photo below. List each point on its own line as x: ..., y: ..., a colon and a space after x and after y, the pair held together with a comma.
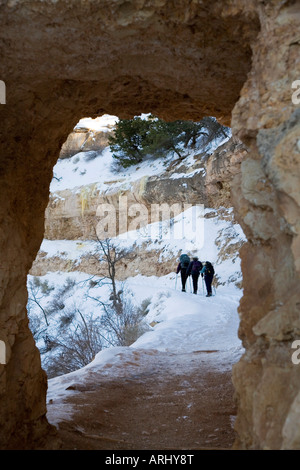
x: 182, y: 267
x: 194, y: 269
x: 208, y: 272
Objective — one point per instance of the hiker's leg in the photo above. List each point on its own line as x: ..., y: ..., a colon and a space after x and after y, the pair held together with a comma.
x: 210, y: 281
x: 208, y: 284
x: 183, y: 278
x: 195, y: 282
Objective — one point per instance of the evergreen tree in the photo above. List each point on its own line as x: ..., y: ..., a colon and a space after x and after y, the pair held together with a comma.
x: 208, y: 129
x: 163, y: 137
x: 136, y: 138
x: 128, y: 142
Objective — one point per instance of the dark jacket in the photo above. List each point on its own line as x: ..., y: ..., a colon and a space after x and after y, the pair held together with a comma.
x: 204, y: 271
x: 194, y: 267
x: 179, y: 268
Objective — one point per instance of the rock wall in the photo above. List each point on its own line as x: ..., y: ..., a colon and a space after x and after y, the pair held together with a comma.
x: 84, y: 140
x: 143, y: 261
x: 266, y: 195
x: 178, y: 60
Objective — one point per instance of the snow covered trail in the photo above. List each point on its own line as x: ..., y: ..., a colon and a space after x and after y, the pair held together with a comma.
x: 192, y: 337
x: 185, y: 322
x: 146, y: 399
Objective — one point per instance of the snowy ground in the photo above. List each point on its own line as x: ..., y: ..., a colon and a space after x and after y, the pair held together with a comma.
x: 184, y: 323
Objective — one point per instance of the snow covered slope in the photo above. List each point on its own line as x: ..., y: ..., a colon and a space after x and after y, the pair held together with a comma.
x: 83, y: 169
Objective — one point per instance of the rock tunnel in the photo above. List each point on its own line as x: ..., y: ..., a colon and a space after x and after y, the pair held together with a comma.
x: 235, y: 60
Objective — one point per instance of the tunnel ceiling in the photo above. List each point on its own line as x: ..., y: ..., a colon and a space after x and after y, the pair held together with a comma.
x: 173, y: 59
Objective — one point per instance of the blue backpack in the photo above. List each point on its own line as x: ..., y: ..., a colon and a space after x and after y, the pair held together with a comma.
x: 184, y: 261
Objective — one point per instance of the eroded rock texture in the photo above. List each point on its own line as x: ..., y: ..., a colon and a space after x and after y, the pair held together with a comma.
x: 65, y: 60
x: 84, y: 140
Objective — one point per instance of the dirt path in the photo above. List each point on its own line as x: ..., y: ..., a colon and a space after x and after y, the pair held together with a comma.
x: 150, y: 400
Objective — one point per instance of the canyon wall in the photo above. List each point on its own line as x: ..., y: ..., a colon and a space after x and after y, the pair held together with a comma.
x: 71, y: 213
x: 233, y: 59
x: 84, y: 140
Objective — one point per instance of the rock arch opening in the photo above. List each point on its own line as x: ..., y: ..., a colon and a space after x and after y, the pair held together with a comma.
x: 233, y: 60
x: 148, y: 263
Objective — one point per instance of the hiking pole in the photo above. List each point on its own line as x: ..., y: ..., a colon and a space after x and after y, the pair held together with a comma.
x: 176, y: 281
x: 190, y: 284
x: 213, y: 288
x: 203, y: 287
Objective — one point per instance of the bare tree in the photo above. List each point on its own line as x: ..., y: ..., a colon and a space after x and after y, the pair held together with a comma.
x: 112, y: 254
x: 76, y: 347
x: 123, y: 329
x: 72, y: 337
x: 37, y: 290
x: 121, y: 321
